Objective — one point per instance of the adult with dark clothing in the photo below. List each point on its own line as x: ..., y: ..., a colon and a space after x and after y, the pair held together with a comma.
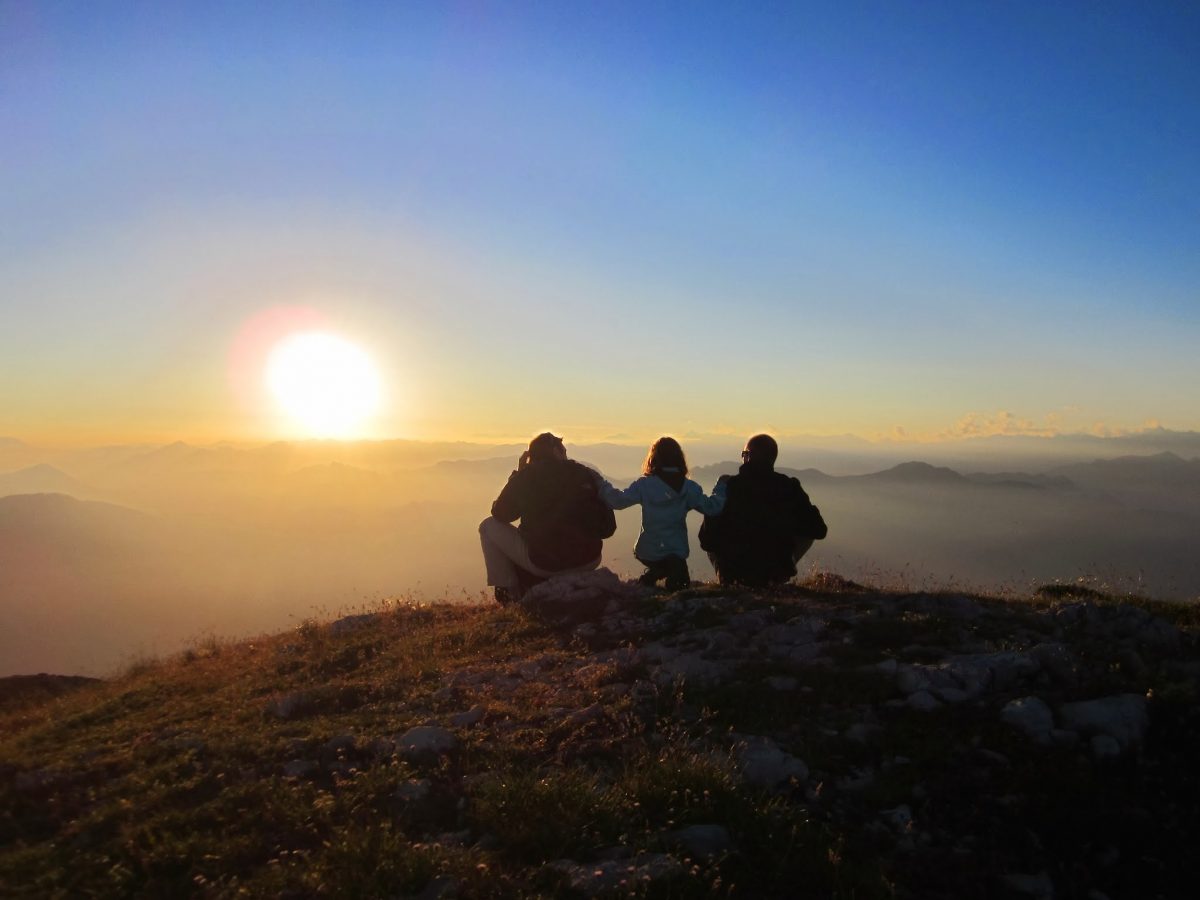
x: 563, y: 520
x: 767, y: 525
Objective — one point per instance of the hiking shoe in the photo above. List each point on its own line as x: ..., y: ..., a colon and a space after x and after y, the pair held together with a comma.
x: 505, y: 596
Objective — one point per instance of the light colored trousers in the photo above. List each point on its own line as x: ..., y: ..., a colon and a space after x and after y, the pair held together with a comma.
x: 505, y: 551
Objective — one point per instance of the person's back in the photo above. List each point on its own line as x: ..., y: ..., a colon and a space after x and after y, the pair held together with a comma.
x: 665, y: 494
x: 563, y: 520
x: 544, y: 496
x: 767, y: 525
x: 664, y: 513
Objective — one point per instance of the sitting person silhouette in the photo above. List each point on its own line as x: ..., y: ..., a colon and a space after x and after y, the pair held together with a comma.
x: 563, y: 521
x: 767, y: 525
x: 666, y: 494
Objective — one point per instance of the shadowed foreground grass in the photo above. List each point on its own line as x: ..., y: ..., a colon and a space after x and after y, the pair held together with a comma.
x: 170, y: 780
x: 269, y: 767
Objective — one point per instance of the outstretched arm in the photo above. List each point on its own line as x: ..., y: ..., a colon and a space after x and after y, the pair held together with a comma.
x: 710, y: 506
x: 618, y: 499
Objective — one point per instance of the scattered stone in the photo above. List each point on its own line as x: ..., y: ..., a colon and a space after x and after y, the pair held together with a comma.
x: 992, y: 756
x: 701, y: 841
x: 1056, y: 660
x: 415, y: 790
x: 301, y: 768
x: 468, y: 719
x: 623, y: 875
x: 781, y: 682
x: 426, y: 742
x: 334, y: 752
x: 720, y: 643
x: 690, y: 668
x: 577, y: 597
x: 995, y: 671
x: 764, y: 764
x: 923, y: 701
x: 898, y: 819
x: 749, y: 622
x: 1039, y: 885
x: 910, y: 679
x: 799, y: 631
x: 1123, y: 717
x: 1105, y: 747
x: 858, y: 780
x: 1030, y: 715
x: 951, y: 695
x: 444, y: 695
x: 860, y: 732
x: 341, y: 745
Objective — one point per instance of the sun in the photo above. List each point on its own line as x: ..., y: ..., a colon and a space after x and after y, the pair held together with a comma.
x: 328, y: 386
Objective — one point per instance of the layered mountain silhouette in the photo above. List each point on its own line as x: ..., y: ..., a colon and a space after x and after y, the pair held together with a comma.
x: 43, y: 479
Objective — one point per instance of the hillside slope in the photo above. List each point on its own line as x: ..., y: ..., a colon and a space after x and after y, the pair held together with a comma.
x: 819, y: 740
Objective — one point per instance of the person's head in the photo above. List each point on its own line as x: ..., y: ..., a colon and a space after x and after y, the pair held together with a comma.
x: 761, y: 450
x: 546, y: 446
x: 665, y: 453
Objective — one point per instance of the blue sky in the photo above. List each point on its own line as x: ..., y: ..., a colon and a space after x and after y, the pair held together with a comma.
x: 610, y: 218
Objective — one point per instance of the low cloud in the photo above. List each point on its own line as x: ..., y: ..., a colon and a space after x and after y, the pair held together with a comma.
x: 1003, y: 422
x: 1063, y: 421
x: 1103, y: 429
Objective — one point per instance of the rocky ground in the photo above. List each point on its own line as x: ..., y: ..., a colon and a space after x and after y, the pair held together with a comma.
x: 819, y: 740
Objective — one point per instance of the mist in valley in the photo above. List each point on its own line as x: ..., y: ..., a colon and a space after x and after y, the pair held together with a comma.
x: 108, y: 554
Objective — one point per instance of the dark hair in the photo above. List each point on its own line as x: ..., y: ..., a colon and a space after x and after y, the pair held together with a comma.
x: 763, y: 449
x: 665, y: 453
x: 544, y: 445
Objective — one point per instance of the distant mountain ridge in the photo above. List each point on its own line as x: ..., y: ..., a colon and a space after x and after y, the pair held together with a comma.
x: 914, y: 472
x: 255, y: 535
x: 43, y: 479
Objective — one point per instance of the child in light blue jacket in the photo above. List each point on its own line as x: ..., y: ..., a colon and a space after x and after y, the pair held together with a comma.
x: 666, y: 494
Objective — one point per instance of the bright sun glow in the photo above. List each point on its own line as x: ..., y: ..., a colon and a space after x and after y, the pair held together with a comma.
x: 328, y: 386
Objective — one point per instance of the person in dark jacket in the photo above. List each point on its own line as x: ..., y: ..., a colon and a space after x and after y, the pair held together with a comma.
x: 562, y: 518
x: 767, y: 525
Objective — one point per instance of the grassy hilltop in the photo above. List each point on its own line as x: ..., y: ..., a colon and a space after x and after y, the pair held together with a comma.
x: 821, y: 740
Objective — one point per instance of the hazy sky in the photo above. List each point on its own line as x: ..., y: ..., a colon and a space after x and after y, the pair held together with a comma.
x: 609, y: 219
